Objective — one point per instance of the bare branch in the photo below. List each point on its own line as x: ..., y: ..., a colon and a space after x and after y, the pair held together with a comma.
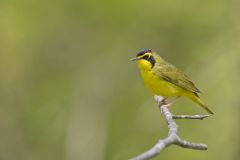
x: 173, y: 137
x: 201, y: 117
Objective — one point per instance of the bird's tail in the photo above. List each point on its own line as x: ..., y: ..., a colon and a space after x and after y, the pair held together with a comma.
x: 197, y: 99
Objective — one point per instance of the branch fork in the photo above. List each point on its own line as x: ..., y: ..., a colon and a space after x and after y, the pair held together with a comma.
x: 173, y: 137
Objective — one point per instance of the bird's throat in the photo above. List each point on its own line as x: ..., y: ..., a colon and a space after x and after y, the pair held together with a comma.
x: 144, y: 65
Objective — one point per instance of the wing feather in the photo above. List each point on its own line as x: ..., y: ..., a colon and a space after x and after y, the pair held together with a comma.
x: 175, y: 76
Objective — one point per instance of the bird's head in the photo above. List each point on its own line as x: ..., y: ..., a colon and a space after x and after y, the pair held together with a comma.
x: 145, y: 59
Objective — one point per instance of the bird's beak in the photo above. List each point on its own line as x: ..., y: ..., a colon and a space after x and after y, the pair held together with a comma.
x: 134, y: 59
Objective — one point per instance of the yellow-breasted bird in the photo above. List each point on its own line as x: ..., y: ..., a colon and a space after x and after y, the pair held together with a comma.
x: 164, y: 79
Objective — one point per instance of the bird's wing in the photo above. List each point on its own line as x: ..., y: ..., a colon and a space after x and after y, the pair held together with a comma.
x: 173, y: 75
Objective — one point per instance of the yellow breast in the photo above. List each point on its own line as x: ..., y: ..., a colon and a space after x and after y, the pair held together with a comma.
x: 159, y: 86
x: 155, y: 84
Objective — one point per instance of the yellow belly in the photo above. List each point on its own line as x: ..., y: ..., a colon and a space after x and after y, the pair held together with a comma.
x: 159, y: 86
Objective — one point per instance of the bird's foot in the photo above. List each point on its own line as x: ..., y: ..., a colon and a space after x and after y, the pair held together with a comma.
x: 167, y: 102
x: 163, y: 102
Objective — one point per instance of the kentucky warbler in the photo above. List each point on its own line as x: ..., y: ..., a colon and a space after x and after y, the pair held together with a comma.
x: 164, y: 79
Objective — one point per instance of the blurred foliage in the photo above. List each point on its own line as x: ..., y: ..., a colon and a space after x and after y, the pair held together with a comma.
x: 68, y: 91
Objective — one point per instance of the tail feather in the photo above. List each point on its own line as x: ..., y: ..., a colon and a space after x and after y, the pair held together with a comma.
x: 197, y: 99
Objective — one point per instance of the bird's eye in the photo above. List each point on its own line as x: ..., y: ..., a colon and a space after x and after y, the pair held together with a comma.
x: 145, y: 57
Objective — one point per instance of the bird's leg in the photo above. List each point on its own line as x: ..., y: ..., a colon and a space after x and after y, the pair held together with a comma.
x: 163, y: 102
x: 174, y: 100
x: 167, y: 104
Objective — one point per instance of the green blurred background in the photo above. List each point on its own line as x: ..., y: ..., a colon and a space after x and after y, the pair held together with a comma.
x: 69, y: 92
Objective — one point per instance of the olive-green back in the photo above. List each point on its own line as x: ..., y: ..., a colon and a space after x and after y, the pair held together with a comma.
x: 170, y: 73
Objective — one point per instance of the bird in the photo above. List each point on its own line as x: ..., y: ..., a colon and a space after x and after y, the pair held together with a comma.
x: 166, y: 80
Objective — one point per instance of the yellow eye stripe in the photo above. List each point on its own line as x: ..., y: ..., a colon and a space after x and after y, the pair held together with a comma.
x: 145, y: 54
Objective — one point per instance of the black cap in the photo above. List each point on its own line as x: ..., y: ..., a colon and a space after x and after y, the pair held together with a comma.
x: 144, y: 51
